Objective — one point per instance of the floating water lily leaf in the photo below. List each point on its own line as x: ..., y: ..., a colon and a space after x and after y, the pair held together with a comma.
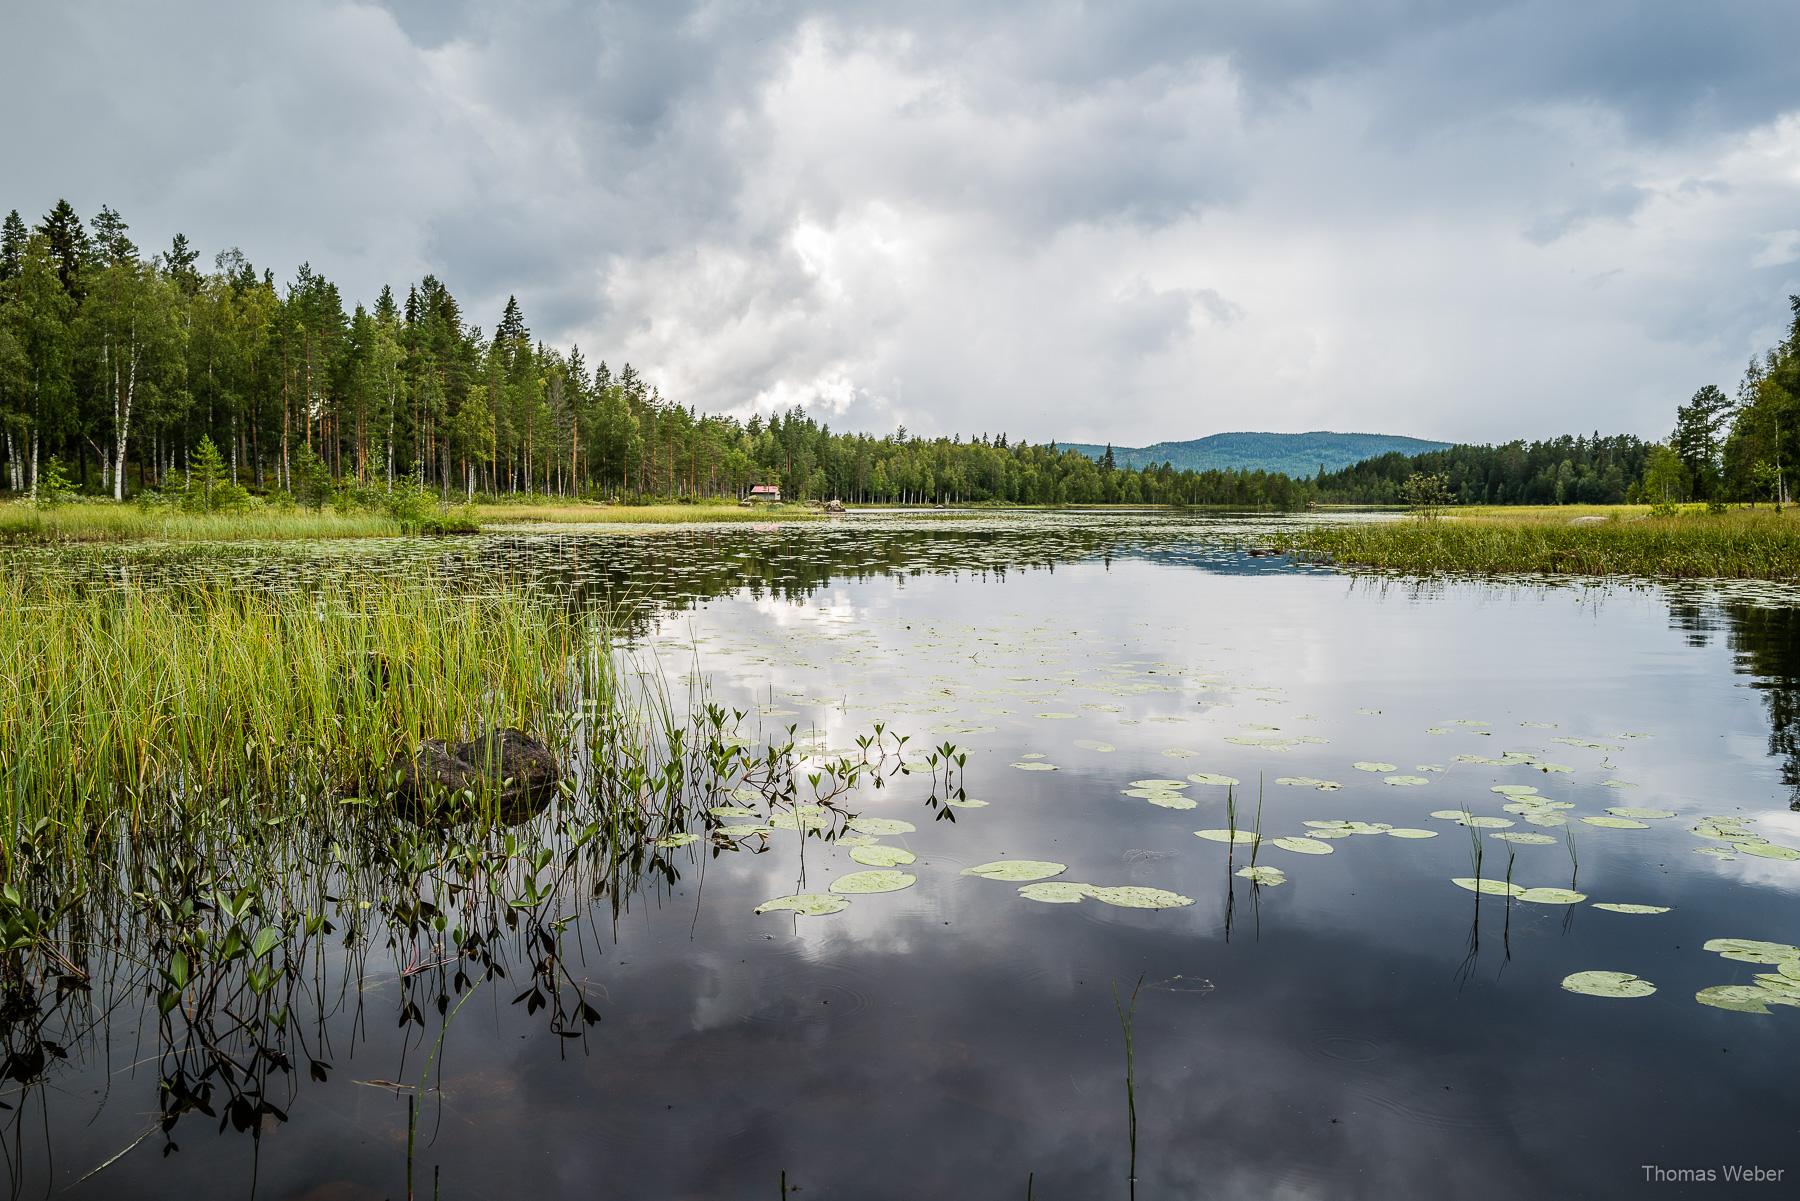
x: 1716, y: 852
x: 1089, y: 744
x: 1134, y: 897
x: 1164, y: 785
x: 1172, y: 800
x: 1055, y: 892
x: 1514, y: 789
x: 1789, y: 968
x: 1775, y: 982
x: 745, y: 831
x: 808, y: 904
x: 1493, y: 888
x: 1750, y: 950
x: 1207, y: 777
x: 1552, y: 896
x: 1545, y: 818
x: 966, y: 803
x: 1263, y: 875
x: 1377, y: 768
x: 1035, y: 766
x: 1616, y: 823
x: 1309, y: 782
x: 878, y: 855
x: 854, y: 840
x: 881, y: 826
x: 1301, y: 846
x: 1742, y: 998
x: 1016, y: 869
x: 677, y: 840
x: 1641, y: 814
x: 1406, y: 781
x: 1627, y: 907
x: 1408, y: 832
x: 1607, y: 984
x: 1523, y: 838
x: 1366, y: 827
x: 730, y: 811
x: 1240, y: 837
x: 1768, y: 850
x: 875, y: 881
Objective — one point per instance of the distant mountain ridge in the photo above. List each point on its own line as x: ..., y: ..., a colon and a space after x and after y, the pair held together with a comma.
x: 1297, y: 455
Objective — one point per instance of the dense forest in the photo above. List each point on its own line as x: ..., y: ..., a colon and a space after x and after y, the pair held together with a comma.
x: 116, y: 365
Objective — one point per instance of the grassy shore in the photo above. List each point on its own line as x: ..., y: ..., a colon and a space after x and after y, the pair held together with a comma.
x: 1585, y: 540
x: 104, y: 521
x: 579, y: 513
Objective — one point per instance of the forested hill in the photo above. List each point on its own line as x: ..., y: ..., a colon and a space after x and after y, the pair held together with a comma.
x: 1297, y: 455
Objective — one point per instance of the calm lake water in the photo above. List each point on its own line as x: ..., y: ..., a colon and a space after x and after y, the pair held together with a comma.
x: 1366, y: 1028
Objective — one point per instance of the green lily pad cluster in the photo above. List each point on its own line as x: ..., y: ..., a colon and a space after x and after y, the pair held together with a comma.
x: 1781, y: 986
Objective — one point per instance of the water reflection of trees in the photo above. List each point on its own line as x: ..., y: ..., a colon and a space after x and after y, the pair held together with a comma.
x: 1765, y: 646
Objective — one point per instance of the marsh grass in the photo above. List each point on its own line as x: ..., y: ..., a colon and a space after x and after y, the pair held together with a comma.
x: 654, y: 514
x: 1629, y: 540
x: 107, y: 522
x: 136, y: 704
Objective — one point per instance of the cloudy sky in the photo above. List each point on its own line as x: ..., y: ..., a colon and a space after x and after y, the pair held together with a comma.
x: 1108, y: 221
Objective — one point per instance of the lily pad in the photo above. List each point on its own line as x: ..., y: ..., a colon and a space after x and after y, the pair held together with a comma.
x: 1263, y: 875
x: 1768, y: 850
x: 1166, y: 785
x: 966, y: 803
x: 1373, y: 767
x: 1523, y: 838
x: 1241, y: 838
x: 1552, y: 896
x: 1742, y: 998
x: 1750, y: 950
x: 874, y: 881
x: 1409, y: 832
x: 1090, y: 744
x: 1035, y: 766
x: 807, y: 904
x: 1055, y: 892
x: 1134, y: 897
x: 1172, y: 800
x: 1641, y: 814
x: 1629, y: 907
x: 1607, y: 984
x: 733, y: 811
x: 1016, y: 869
x: 677, y: 840
x: 1406, y: 781
x: 882, y: 856
x: 1301, y: 846
x: 1616, y: 823
x: 1207, y: 777
x: 1493, y: 888
x: 881, y: 827
x: 1309, y: 782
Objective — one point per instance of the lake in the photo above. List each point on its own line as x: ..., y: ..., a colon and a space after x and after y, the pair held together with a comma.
x: 1356, y: 1024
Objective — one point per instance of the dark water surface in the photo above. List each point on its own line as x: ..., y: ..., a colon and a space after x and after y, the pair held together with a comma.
x: 1365, y: 1029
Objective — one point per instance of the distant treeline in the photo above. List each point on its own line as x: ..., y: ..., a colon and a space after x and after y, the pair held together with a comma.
x: 116, y: 365
x: 1596, y: 470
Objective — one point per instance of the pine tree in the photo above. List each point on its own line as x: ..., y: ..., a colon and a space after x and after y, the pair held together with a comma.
x: 12, y: 246
x: 208, y: 480
x: 69, y: 247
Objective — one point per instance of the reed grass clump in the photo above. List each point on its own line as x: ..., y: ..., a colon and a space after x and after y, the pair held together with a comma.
x: 138, y: 704
x: 1735, y: 544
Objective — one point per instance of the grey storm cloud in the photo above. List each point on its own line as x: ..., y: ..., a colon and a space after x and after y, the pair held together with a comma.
x: 1120, y: 221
